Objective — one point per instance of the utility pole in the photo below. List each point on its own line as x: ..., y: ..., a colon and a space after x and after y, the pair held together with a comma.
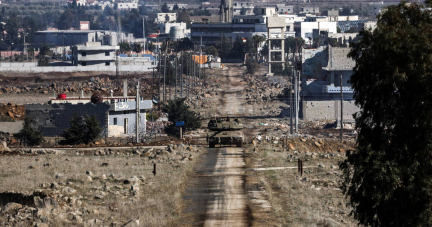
x: 137, y: 112
x: 295, y: 101
x: 164, y: 75
x: 144, y: 39
x: 341, y: 130
x: 181, y: 75
x: 176, y: 78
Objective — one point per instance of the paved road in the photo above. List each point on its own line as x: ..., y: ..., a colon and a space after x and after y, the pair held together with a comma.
x: 217, y: 191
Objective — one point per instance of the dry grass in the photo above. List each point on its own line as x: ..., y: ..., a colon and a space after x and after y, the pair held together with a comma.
x: 157, y: 204
x: 305, y: 200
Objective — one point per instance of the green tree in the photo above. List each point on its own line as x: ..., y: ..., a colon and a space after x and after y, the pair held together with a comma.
x: 165, y: 8
x: 65, y: 20
x: 125, y: 47
x: 183, y: 16
x: 225, y: 48
x: 237, y: 50
x: 82, y: 130
x: 11, y: 27
x: 137, y: 47
x: 388, y: 178
x: 29, y: 135
x: 177, y: 110
x: 175, y: 7
x: 211, y: 50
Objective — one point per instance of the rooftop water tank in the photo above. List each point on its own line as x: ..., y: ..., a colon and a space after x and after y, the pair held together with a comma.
x: 177, y: 32
x: 61, y: 96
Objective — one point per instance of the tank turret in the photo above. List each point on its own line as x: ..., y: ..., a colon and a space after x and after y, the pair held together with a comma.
x: 225, y: 124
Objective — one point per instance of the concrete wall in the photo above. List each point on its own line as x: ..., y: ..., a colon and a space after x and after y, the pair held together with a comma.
x: 54, y: 119
x: 11, y: 127
x: 31, y: 67
x: 327, y: 110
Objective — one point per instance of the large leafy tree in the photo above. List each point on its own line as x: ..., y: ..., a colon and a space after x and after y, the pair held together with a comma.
x: 388, y: 178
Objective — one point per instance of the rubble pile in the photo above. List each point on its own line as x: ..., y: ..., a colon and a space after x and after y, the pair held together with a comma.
x: 101, y: 84
x: 12, y: 111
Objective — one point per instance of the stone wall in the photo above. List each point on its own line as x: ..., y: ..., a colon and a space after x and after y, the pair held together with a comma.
x: 327, y: 110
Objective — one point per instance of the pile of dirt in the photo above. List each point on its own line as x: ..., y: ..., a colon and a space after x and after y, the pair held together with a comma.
x: 12, y: 111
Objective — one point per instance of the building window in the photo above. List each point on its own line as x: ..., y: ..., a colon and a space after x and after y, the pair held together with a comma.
x: 107, y: 63
x: 106, y: 53
x: 115, y: 121
x: 83, y: 63
x: 83, y: 54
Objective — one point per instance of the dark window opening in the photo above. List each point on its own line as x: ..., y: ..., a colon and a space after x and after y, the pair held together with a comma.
x: 83, y: 63
x: 84, y: 54
x: 106, y: 53
x: 115, y: 121
x: 107, y: 63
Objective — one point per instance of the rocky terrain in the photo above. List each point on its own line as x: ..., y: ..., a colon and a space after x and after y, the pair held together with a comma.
x: 100, y: 187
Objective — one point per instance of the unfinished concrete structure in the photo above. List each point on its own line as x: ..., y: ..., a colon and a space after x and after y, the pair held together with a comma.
x: 226, y: 11
x: 276, y: 54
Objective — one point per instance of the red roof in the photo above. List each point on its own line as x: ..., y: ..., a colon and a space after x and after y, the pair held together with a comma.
x: 153, y: 36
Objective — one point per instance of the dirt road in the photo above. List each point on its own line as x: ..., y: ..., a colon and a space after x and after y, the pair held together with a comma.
x: 217, y: 191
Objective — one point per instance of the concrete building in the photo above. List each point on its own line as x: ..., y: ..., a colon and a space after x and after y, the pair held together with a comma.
x: 84, y: 25
x: 309, y: 9
x: 243, y: 8
x: 180, y: 6
x: 244, y: 26
x: 94, y: 54
x: 226, y: 11
x: 79, y: 37
x: 305, y: 29
x: 276, y: 54
x: 284, y: 9
x: 350, y: 25
x: 117, y: 116
x: 166, y: 17
x: 321, y: 84
x: 126, y: 5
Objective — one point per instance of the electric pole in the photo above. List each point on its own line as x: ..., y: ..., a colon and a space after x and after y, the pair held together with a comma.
x: 137, y: 112
x: 341, y: 104
x: 144, y: 39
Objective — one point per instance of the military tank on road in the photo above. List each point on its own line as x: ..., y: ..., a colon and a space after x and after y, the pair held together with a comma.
x: 226, y: 132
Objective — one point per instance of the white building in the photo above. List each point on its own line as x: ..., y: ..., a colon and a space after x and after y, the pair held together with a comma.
x: 180, y: 6
x: 127, y: 5
x: 166, y: 17
x: 284, y: 9
x: 305, y: 29
x: 309, y: 9
x: 93, y: 53
x: 246, y: 7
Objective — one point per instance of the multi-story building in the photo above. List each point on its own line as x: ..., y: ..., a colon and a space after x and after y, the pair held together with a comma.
x: 93, y: 53
x: 284, y: 9
x: 309, y: 9
x: 180, y: 6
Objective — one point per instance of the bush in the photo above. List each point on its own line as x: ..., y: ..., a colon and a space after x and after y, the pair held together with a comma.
x: 83, y: 130
x: 29, y: 135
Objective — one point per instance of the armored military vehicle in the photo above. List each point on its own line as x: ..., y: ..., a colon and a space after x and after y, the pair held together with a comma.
x: 226, y: 132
